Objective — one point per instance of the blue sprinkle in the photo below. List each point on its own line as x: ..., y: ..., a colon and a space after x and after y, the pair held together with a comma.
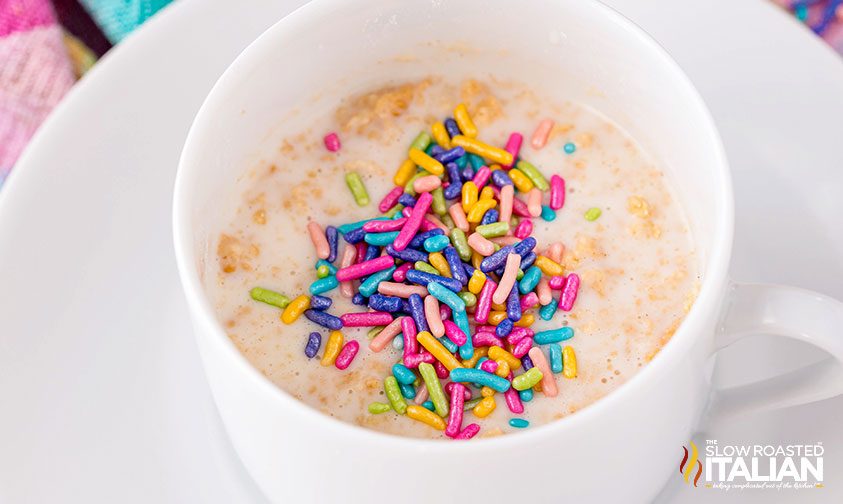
x: 434, y: 150
x: 519, y: 423
x: 570, y: 148
x: 453, y: 191
x: 417, y: 311
x: 379, y: 302
x: 320, y: 303
x: 324, y: 319
x: 436, y: 243
x: 314, y: 341
x: 332, y: 236
x: 419, y: 239
x: 381, y: 239
x: 407, y: 200
x: 403, y: 374
x: 324, y: 284
x: 548, y: 214
x: 371, y: 253
x: 526, y: 395
x: 525, y: 246
x: 451, y: 155
x: 453, y: 171
x: 553, y: 336
x: 556, y: 358
x: 528, y: 260
x: 467, y: 173
x: 527, y: 362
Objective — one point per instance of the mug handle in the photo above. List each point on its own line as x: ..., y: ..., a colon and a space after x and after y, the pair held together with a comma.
x: 784, y: 311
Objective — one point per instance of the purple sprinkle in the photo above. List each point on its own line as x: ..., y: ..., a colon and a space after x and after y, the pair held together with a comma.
x: 468, y: 173
x: 407, y: 200
x: 372, y: 252
x: 454, y: 262
x: 513, y: 304
x: 423, y: 278
x: 452, y: 128
x: 379, y: 302
x: 359, y: 299
x: 418, y: 240
x: 504, y: 328
x: 320, y: 303
x: 453, y: 172
x: 490, y: 216
x: 314, y: 341
x: 324, y: 319
x: 354, y: 236
x: 453, y: 191
x: 500, y: 178
x: 528, y: 260
x: 417, y: 311
x: 525, y: 246
x: 527, y: 362
x: 495, y: 260
x: 332, y: 235
x: 451, y: 155
x: 408, y: 254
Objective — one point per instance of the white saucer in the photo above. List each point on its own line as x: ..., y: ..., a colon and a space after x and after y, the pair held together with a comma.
x: 103, y: 395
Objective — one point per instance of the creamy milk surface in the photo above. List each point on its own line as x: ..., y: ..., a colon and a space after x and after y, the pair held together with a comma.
x: 636, y: 261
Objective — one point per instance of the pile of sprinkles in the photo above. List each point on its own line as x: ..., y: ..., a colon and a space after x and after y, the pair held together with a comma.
x: 450, y: 275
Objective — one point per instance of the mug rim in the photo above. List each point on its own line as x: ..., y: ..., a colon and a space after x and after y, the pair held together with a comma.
x: 715, y: 271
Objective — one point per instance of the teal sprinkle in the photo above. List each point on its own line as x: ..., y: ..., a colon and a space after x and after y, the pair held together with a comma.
x: 324, y: 284
x: 323, y: 262
x: 428, y: 404
x: 476, y: 161
x: 526, y: 395
x: 570, y: 148
x: 436, y: 243
x: 529, y: 280
x: 548, y: 214
x: 370, y: 285
x: 381, y: 239
x: 462, y: 161
x: 801, y: 12
x: 553, y: 336
x: 398, y: 342
x: 555, y: 351
x: 519, y: 423
x: 447, y: 343
x: 547, y: 311
x: 345, y: 228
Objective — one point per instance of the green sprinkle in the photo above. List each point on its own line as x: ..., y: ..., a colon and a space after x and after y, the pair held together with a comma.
x: 392, y: 212
x: 434, y: 388
x: 355, y: 184
x: 423, y: 266
x: 527, y: 380
x: 519, y: 275
x: 461, y: 244
x: 438, y: 204
x: 570, y: 148
x: 468, y: 298
x: 533, y: 174
x: 519, y: 423
x: 322, y: 262
x: 322, y: 271
x: 471, y: 404
x: 548, y: 214
x: 493, y: 230
x: 374, y: 331
x: 398, y: 342
x: 393, y: 393
x: 269, y: 297
x: 592, y: 214
x: 447, y: 220
x: 376, y: 408
x: 422, y: 141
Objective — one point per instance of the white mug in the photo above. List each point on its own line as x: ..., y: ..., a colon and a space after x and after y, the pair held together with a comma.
x: 625, y: 445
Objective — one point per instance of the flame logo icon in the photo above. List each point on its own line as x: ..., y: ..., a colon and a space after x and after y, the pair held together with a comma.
x: 686, y: 467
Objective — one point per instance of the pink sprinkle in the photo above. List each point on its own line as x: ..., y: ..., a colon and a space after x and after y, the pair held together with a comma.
x: 400, y: 273
x: 481, y: 244
x: 519, y: 333
x: 454, y: 333
x: 469, y: 432
x: 434, y: 220
x: 485, y: 328
x: 539, y: 139
x: 361, y: 252
x: 366, y: 319
x: 365, y: 268
x: 421, y: 394
x: 503, y: 241
x: 441, y: 371
x: 543, y: 291
x: 317, y: 236
x: 346, y: 355
x: 569, y: 292
x: 444, y: 312
x: 383, y: 226
x: 556, y: 282
x: 451, y: 386
x: 411, y: 227
x: 484, y: 301
x: 489, y: 366
x: 522, y: 347
x: 528, y: 301
x: 513, y: 400
x: 486, y: 339
x: 431, y: 313
x: 427, y: 183
x: 557, y: 192
x: 505, y: 196
x: 349, y: 254
x: 548, y: 383
x: 332, y: 142
x: 482, y: 176
x: 386, y: 336
x: 513, y: 146
x: 513, y: 263
x: 455, y: 415
x: 458, y: 216
x: 555, y: 251
x: 411, y: 344
x: 524, y: 229
x: 534, y: 202
x: 412, y: 361
x: 400, y: 289
x: 519, y: 208
x: 390, y: 199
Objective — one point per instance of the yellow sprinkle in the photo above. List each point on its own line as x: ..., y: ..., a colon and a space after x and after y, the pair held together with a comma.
x: 498, y: 353
x: 469, y: 195
x: 522, y: 183
x: 424, y: 415
x: 549, y: 267
x: 332, y: 348
x: 428, y: 163
x: 503, y: 368
x: 464, y: 121
x: 495, y: 167
x: 438, y: 261
x: 496, y: 317
x: 404, y: 173
x: 498, y: 307
x: 294, y: 310
x: 526, y: 320
x: 487, y: 392
x: 478, y: 353
x: 476, y: 259
x: 473, y: 146
x: 439, y: 352
x: 485, y: 407
x: 476, y: 282
x: 479, y: 209
x: 487, y: 193
x: 440, y: 135
x: 569, y: 362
